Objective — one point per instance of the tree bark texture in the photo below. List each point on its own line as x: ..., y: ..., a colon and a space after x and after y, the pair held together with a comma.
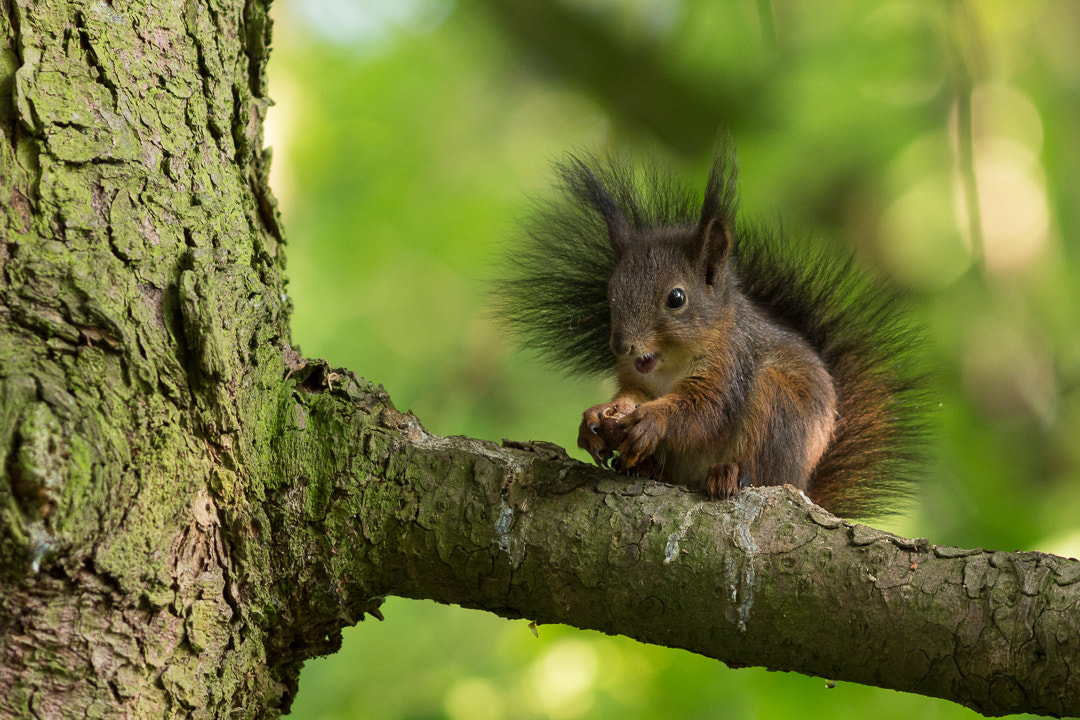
x: 189, y: 509
x: 768, y: 579
x: 142, y: 311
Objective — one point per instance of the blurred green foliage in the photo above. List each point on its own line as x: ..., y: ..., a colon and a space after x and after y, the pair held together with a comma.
x: 939, y: 140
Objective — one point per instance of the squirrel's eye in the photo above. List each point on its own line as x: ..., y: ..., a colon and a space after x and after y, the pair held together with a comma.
x: 676, y: 299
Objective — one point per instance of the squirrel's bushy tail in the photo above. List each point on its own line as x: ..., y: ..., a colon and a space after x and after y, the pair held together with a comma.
x: 855, y: 325
x: 555, y: 300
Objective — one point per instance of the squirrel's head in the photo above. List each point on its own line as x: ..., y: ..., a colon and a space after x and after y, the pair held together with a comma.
x: 668, y: 288
x: 667, y: 264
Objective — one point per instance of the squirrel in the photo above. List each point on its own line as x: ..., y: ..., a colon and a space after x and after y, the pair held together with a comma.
x: 741, y: 358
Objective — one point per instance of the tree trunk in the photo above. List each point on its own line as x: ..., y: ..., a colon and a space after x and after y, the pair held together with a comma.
x: 189, y: 509
x: 142, y: 316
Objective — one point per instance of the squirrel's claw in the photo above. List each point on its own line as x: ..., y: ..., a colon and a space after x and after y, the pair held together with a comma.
x: 602, y: 456
x: 599, y: 433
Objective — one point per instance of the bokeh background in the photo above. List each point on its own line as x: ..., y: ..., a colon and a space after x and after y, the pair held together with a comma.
x: 939, y: 141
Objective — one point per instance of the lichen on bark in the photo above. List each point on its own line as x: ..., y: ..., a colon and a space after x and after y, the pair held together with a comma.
x: 142, y: 310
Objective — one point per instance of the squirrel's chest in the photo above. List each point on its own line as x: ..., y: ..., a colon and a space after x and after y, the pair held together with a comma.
x: 661, y: 382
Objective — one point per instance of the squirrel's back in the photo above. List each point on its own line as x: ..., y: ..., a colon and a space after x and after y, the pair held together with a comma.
x: 557, y: 300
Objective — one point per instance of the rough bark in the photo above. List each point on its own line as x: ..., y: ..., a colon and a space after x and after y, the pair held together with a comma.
x: 188, y: 509
x: 768, y: 579
x: 142, y: 310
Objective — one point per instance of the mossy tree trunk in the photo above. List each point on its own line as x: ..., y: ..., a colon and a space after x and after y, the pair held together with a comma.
x: 188, y: 509
x: 142, y: 320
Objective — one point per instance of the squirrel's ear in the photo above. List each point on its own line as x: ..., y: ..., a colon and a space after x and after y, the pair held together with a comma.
x: 617, y: 227
x: 583, y: 184
x: 713, y: 244
x: 714, y: 233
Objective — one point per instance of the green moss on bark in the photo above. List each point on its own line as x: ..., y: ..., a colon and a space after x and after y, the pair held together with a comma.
x: 142, y: 319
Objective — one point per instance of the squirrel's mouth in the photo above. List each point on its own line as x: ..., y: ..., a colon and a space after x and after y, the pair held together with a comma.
x: 644, y: 364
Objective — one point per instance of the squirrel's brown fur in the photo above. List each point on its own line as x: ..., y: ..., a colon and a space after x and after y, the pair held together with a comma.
x: 741, y: 359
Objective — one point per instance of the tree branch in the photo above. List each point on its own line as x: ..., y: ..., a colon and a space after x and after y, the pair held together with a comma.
x: 767, y: 579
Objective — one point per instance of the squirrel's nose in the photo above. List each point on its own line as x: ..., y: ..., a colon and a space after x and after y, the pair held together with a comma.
x: 620, y: 346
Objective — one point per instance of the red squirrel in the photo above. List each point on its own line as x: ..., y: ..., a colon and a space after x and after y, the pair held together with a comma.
x: 741, y: 358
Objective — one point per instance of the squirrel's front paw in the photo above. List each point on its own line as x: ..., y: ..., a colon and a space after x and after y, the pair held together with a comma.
x: 644, y: 429
x: 724, y: 480
x: 601, y: 431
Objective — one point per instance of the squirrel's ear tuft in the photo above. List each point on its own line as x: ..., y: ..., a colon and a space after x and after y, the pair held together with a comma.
x: 721, y: 192
x: 715, y: 232
x: 617, y: 227
x: 586, y: 186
